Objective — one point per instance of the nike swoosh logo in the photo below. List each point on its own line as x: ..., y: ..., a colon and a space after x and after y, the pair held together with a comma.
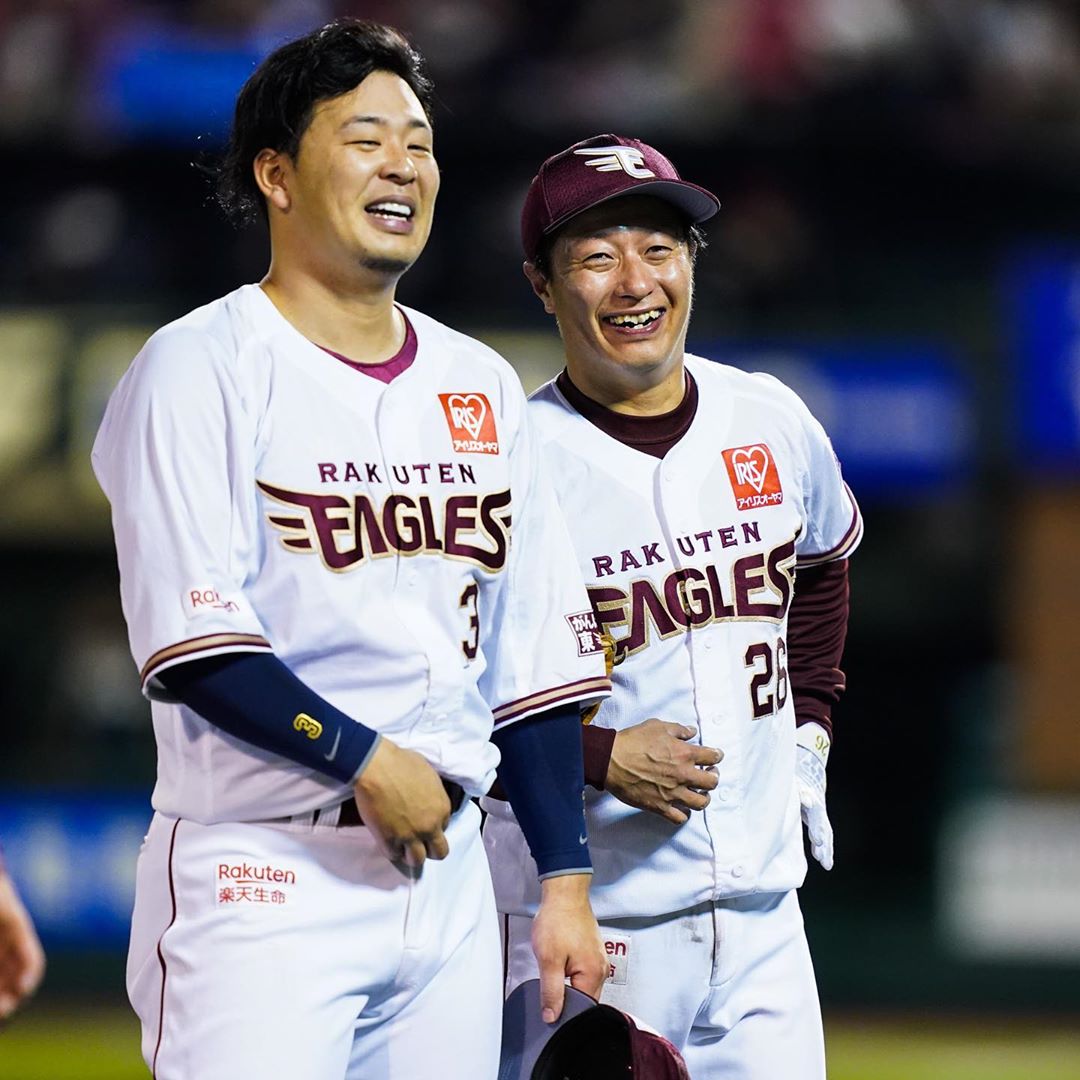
x: 582, y: 839
x: 333, y: 749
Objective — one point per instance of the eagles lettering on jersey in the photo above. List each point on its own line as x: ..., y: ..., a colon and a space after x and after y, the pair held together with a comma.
x: 757, y: 587
x: 346, y: 531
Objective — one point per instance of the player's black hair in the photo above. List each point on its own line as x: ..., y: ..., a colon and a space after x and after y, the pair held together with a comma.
x: 275, y: 105
x: 694, y: 237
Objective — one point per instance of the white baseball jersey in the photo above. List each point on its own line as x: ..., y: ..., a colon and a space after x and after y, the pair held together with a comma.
x: 690, y: 564
x: 267, y: 497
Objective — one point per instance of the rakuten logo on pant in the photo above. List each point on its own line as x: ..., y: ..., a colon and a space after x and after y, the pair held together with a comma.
x: 253, y: 883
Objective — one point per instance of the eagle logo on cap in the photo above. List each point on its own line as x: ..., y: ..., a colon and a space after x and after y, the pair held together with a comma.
x: 614, y: 158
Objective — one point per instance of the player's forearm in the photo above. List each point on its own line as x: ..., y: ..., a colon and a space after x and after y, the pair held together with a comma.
x: 817, y: 628
x: 542, y: 773
x: 255, y: 697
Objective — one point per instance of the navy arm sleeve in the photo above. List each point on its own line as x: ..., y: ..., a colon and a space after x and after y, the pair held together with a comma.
x: 255, y: 697
x: 543, y: 777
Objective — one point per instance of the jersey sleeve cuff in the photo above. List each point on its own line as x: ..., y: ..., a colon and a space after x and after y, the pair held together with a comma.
x: 585, y: 690
x: 847, y: 543
x: 194, y: 648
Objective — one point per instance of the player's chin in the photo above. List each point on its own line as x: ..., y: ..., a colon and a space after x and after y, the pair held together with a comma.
x: 391, y: 254
x: 638, y: 352
x: 386, y: 265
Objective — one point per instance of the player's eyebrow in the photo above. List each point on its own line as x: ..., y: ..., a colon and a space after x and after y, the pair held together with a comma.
x: 383, y: 122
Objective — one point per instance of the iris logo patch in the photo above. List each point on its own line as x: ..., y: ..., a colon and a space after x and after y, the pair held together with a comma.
x: 753, y: 475
x: 471, y: 423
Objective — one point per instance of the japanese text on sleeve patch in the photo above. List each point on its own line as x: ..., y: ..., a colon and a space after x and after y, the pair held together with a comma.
x: 586, y: 633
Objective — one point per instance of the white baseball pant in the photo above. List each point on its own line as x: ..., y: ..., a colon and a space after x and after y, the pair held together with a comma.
x: 298, y: 952
x: 729, y: 983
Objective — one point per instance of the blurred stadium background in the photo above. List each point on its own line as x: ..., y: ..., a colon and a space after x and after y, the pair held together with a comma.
x: 899, y: 240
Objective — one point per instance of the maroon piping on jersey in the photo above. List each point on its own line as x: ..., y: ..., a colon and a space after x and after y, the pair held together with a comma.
x: 161, y: 955
x: 653, y: 435
x: 386, y: 370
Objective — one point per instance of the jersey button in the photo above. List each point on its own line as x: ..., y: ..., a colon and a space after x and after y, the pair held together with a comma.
x: 737, y: 871
x: 724, y: 794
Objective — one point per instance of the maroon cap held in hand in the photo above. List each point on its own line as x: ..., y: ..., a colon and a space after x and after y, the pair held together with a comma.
x: 589, y: 1041
x: 601, y: 168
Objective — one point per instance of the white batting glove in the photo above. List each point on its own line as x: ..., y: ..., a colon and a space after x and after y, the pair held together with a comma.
x: 812, y: 753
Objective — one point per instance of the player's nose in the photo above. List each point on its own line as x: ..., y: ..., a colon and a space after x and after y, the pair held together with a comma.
x: 398, y: 165
x: 634, y: 280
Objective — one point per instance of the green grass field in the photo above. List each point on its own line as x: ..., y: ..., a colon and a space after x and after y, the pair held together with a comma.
x: 103, y: 1044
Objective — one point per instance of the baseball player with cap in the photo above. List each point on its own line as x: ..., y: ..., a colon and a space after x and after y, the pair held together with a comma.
x: 348, y: 590
x: 712, y: 527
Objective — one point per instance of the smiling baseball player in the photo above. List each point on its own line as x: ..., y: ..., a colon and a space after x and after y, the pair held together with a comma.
x: 712, y: 527
x: 341, y: 568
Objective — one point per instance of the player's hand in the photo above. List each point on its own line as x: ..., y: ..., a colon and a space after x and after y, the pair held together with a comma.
x: 654, y: 766
x: 566, y: 942
x: 22, y: 960
x: 810, y: 773
x: 403, y: 801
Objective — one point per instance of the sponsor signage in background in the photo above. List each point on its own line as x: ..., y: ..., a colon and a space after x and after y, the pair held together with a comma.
x: 1042, y: 302
x: 1009, y: 879
x: 73, y: 857
x: 900, y: 417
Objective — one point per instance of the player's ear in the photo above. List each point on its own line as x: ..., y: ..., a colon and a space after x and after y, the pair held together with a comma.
x: 271, y: 174
x: 540, y: 285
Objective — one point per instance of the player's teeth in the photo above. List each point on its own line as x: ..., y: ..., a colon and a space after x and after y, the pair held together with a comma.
x: 634, y: 320
x: 398, y: 209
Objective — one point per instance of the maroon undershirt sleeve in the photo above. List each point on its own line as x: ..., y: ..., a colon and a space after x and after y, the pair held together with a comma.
x: 596, y: 744
x: 817, y: 627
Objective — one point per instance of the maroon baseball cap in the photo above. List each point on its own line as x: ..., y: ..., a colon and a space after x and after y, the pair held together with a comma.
x: 601, y: 168
x: 589, y: 1041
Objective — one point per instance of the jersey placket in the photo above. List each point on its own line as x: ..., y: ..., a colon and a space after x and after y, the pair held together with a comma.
x: 706, y: 666
x: 416, y: 578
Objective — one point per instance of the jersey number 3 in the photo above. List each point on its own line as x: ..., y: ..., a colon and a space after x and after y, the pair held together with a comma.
x: 767, y: 697
x: 468, y: 602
